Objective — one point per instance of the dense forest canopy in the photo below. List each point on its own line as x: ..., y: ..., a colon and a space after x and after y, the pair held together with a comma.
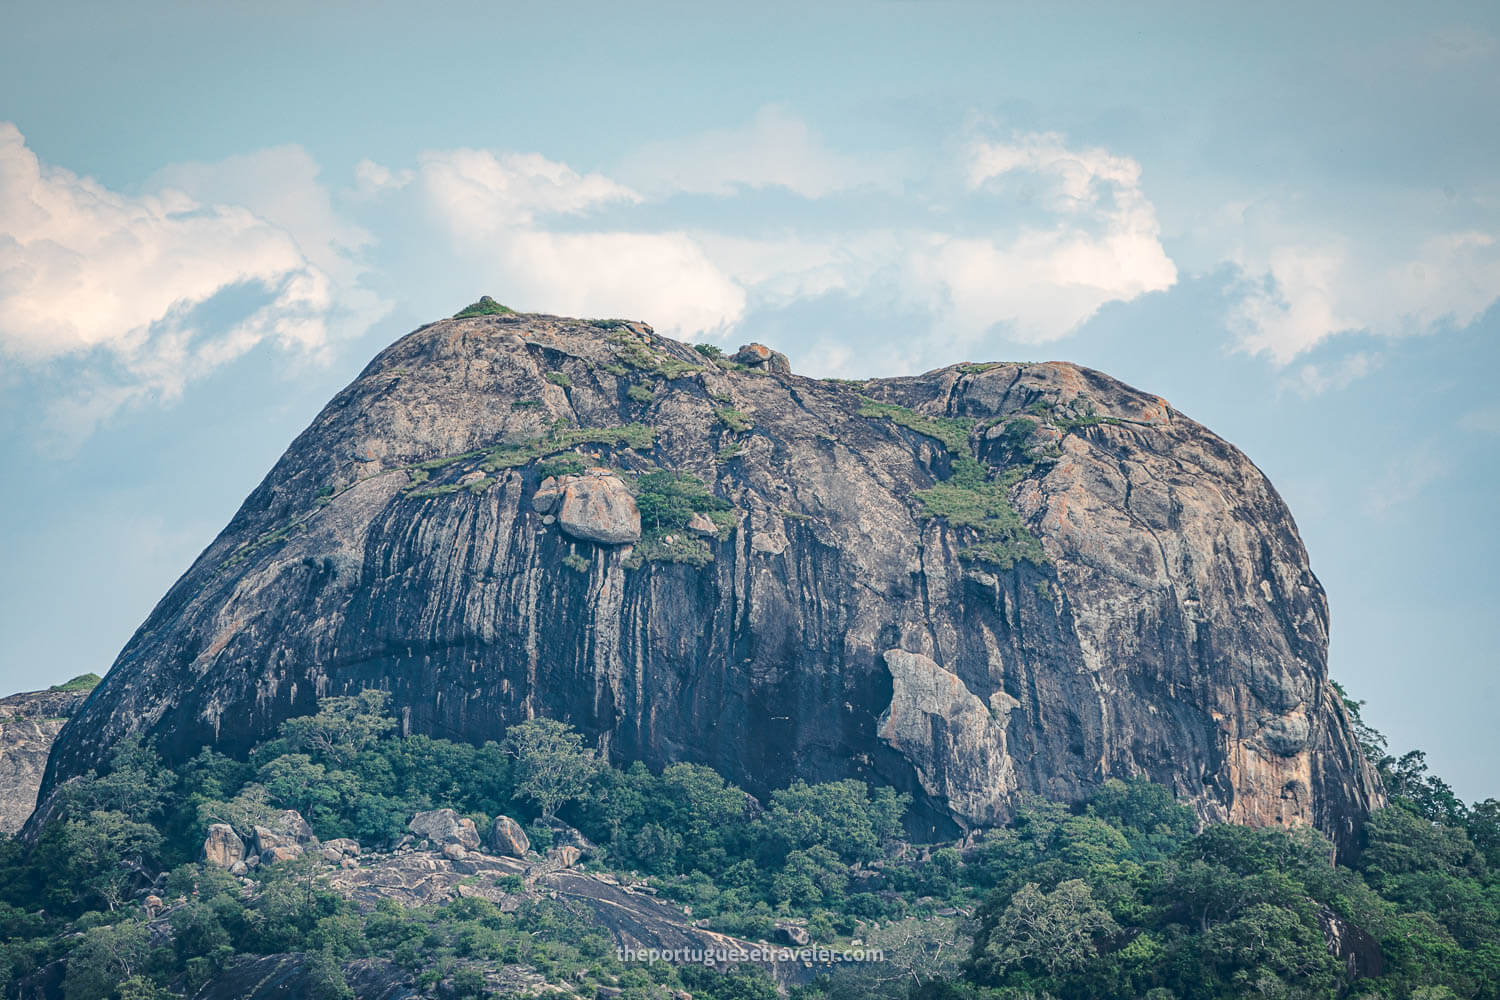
x: 1120, y: 896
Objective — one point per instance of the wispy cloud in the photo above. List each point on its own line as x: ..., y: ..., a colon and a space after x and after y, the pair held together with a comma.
x: 1407, y: 477
x: 1314, y: 379
x: 497, y: 212
x: 775, y: 149
x: 1485, y: 419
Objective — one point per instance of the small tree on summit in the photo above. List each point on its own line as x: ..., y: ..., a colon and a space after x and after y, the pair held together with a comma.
x: 553, y: 767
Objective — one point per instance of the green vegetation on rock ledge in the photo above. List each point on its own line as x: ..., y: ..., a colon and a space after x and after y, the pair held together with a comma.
x: 637, y: 351
x: 970, y: 497
x: 668, y: 501
x: 486, y: 306
x: 83, y: 682
x: 736, y: 420
x: 1120, y: 897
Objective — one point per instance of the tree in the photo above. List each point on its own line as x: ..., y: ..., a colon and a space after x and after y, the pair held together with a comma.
x: 1047, y: 933
x: 1152, y: 820
x: 920, y: 949
x: 841, y: 815
x: 342, y: 728
x: 104, y: 958
x: 1484, y: 830
x: 810, y: 876
x: 95, y: 861
x: 552, y: 766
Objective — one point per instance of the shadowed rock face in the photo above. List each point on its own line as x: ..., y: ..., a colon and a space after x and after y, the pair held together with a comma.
x: 1173, y: 629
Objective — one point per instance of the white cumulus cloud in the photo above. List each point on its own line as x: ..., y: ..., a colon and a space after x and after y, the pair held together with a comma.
x: 518, y: 222
x: 1303, y: 290
x: 120, y: 282
x: 1090, y: 237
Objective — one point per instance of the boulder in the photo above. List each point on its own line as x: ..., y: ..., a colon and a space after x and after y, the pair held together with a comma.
x: 284, y: 852
x: 761, y: 356
x: 564, y: 835
x: 1286, y: 736
x: 508, y: 839
x: 288, y: 829
x: 597, y: 507
x: 223, y: 847
x: 793, y: 934
x: 454, y: 852
x: 701, y: 524
x: 441, y: 827
x: 344, y: 845
x: 565, y: 857
x: 544, y: 500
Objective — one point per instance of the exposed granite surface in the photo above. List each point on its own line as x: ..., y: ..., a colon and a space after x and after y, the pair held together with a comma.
x: 29, y: 723
x: 1168, y: 626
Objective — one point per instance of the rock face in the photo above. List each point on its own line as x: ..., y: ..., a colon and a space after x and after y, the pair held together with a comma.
x: 29, y: 723
x: 975, y: 583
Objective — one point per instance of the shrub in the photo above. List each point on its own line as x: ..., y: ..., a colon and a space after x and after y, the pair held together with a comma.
x: 559, y: 378
x: 560, y: 465
x: 83, y: 682
x: 640, y: 393
x: 486, y: 306
x: 968, y: 497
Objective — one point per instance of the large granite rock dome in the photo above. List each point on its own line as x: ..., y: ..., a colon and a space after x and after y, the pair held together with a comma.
x: 970, y: 584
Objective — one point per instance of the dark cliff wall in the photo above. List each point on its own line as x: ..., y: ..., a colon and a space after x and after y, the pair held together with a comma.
x: 1168, y: 626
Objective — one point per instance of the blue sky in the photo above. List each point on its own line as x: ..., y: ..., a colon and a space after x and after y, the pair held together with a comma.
x: 1283, y: 220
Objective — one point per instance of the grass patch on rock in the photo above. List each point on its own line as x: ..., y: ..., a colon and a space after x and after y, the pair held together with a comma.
x: 736, y: 420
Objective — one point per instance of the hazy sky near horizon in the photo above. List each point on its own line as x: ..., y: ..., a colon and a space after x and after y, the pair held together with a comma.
x: 1282, y: 218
